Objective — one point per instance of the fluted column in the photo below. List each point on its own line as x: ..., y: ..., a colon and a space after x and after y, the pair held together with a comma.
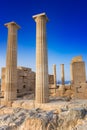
x: 62, y: 74
x: 71, y: 73
x: 10, y: 92
x: 54, y: 74
x: 42, y: 90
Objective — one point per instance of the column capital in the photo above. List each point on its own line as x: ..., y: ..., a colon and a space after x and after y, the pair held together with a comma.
x: 41, y: 15
x: 12, y: 23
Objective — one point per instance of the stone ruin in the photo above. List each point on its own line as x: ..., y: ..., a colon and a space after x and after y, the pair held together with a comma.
x: 78, y: 86
x: 78, y: 73
x: 18, y: 81
x: 78, y: 77
x: 53, y: 107
x: 25, y: 81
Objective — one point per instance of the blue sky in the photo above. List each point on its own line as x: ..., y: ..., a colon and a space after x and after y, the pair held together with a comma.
x: 66, y: 31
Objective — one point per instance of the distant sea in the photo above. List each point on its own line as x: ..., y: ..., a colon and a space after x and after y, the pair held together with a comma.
x: 59, y: 82
x: 66, y: 82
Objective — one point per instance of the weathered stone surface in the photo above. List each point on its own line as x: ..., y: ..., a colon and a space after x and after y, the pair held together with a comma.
x: 62, y: 74
x: 22, y: 119
x: 78, y: 73
x: 25, y: 81
x: 72, y: 116
x: 54, y: 74
x: 42, y: 88
x: 51, y: 79
x: 10, y: 84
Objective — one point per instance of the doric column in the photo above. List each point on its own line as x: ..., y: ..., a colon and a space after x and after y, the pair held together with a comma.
x: 10, y: 92
x: 42, y: 90
x: 62, y: 74
x: 54, y: 74
x: 71, y: 72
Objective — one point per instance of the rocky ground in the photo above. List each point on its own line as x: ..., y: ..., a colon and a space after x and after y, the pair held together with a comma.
x: 66, y: 115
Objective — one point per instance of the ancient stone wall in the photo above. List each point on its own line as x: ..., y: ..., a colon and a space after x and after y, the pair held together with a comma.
x: 80, y: 90
x: 25, y: 80
x: 51, y: 79
x: 78, y: 74
x: 77, y: 91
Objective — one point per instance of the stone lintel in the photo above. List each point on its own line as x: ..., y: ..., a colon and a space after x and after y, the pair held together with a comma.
x: 39, y: 15
x: 12, y: 23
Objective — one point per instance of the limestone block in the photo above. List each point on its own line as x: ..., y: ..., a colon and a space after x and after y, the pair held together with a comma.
x: 20, y: 73
x: 78, y: 74
x: 51, y: 79
x: 17, y: 104
x: 24, y: 83
x: 29, y: 105
x: 25, y: 80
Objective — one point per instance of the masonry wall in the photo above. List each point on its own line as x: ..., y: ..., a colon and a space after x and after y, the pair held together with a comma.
x: 25, y: 80
x: 51, y: 79
x: 78, y: 74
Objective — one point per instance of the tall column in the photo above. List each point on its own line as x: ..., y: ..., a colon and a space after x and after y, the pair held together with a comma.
x: 62, y: 74
x: 54, y: 74
x: 42, y: 90
x: 71, y: 72
x: 10, y: 92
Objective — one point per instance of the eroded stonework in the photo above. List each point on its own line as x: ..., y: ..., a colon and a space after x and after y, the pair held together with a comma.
x: 62, y: 115
x: 78, y: 73
x: 44, y: 106
x: 42, y: 88
x: 25, y: 81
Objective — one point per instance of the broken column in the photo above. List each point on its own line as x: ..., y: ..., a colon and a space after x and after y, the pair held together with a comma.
x: 54, y: 74
x: 62, y: 74
x: 42, y: 90
x: 10, y: 92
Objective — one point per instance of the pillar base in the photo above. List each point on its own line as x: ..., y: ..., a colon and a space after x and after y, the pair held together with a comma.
x: 6, y: 103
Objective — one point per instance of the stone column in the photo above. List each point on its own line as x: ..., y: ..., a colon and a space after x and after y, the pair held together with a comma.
x: 42, y: 89
x: 11, y: 63
x: 71, y: 73
x: 54, y: 74
x: 62, y: 74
